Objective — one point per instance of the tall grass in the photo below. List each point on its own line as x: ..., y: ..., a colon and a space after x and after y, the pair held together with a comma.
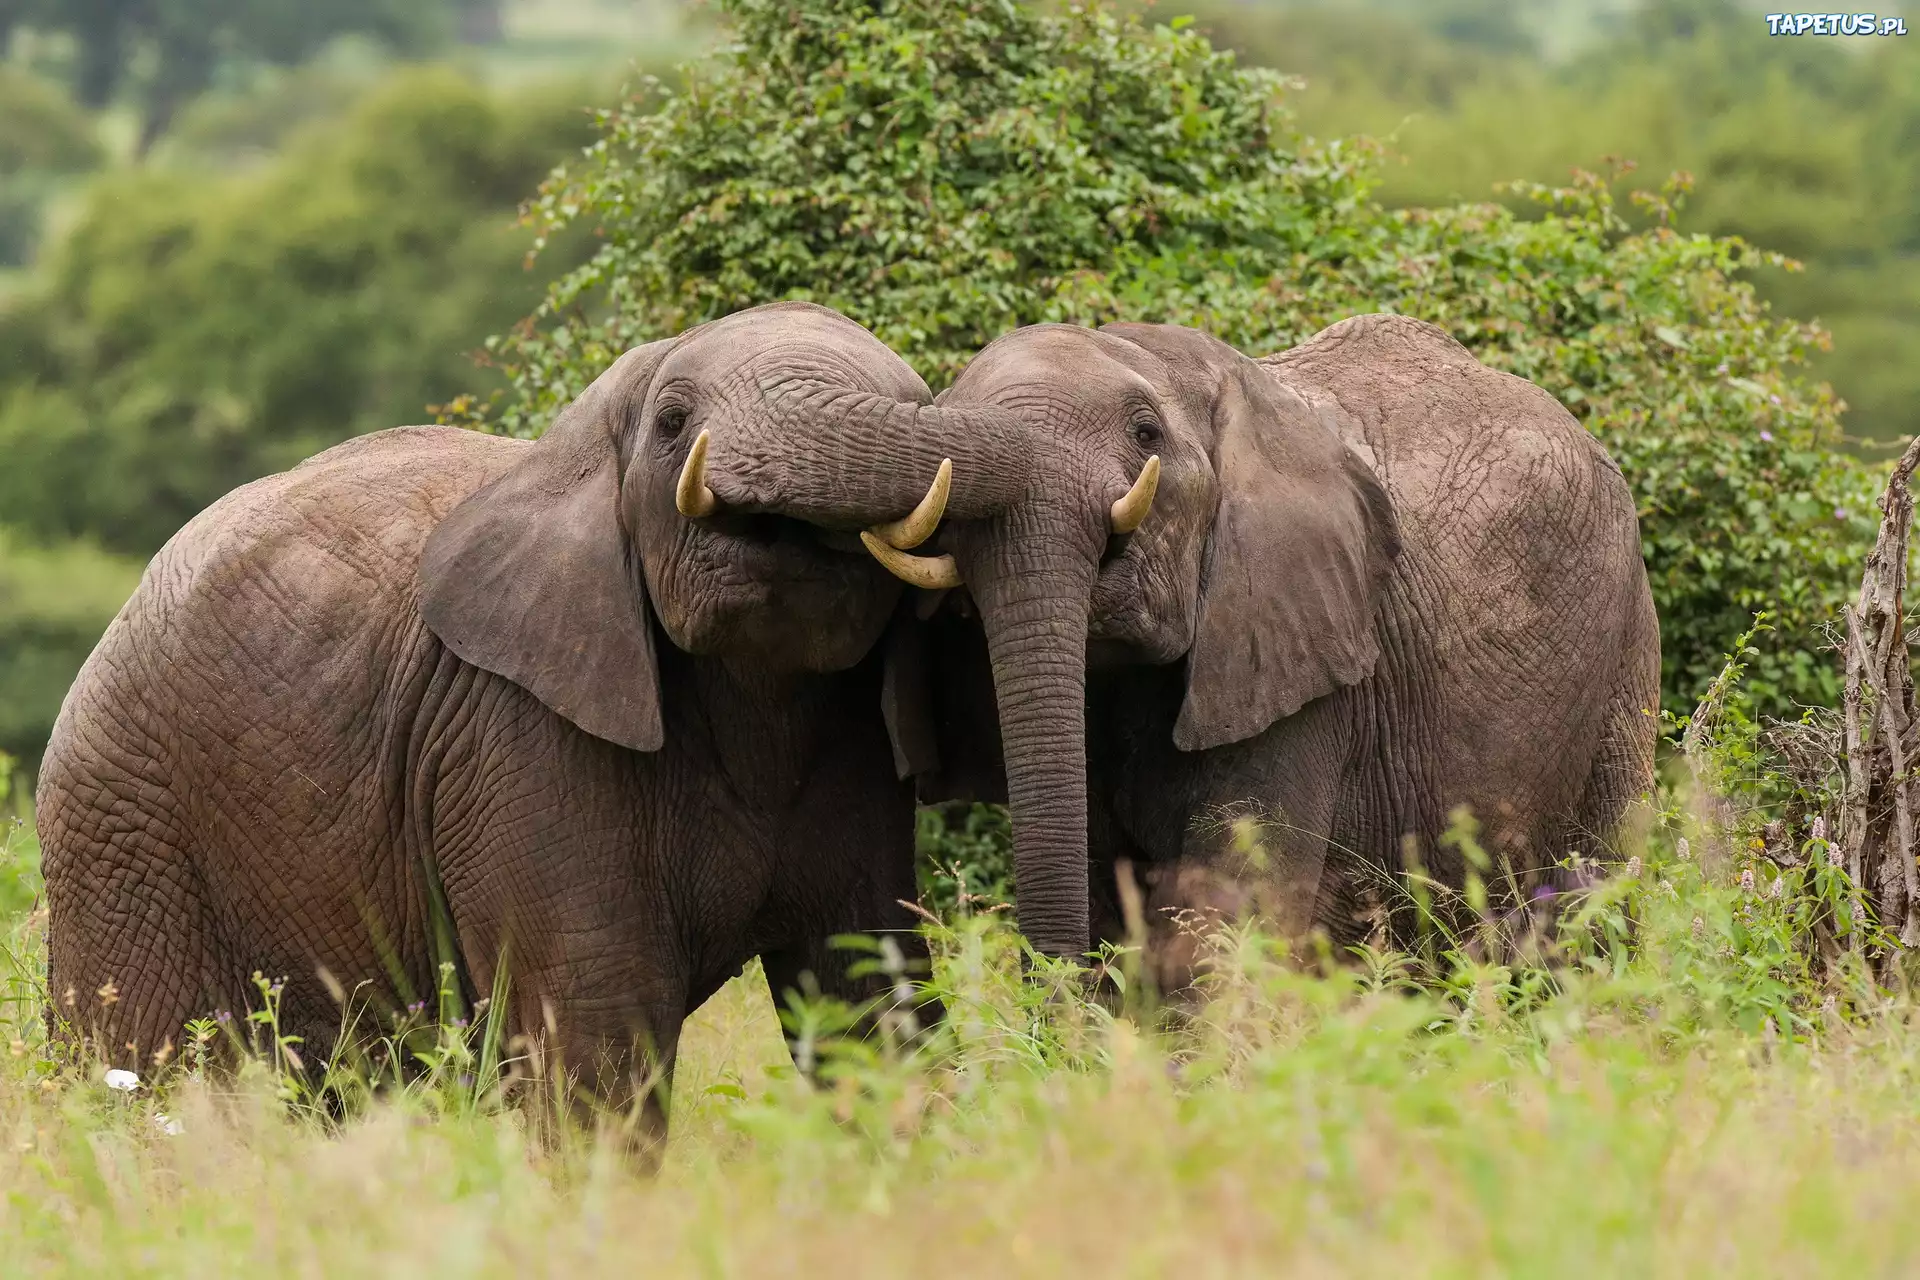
x: 1676, y: 1079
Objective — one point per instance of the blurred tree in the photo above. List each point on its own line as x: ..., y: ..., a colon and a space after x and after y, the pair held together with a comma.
x: 1807, y: 146
x: 170, y: 50
x: 189, y: 335
x: 44, y: 138
x: 54, y: 603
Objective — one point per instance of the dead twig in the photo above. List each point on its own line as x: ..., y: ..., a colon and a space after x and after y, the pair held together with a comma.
x: 1878, y: 717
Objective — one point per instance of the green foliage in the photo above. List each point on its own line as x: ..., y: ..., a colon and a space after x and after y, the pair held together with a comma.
x: 964, y: 859
x: 54, y: 603
x: 942, y: 171
x: 44, y: 140
x: 1800, y: 145
x: 168, y: 51
x: 937, y: 170
x: 19, y: 856
x: 189, y: 335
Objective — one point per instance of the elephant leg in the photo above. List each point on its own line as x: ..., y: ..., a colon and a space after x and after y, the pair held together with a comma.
x: 600, y: 1066
x: 1622, y: 770
x: 1259, y: 847
x: 594, y: 1006
x: 131, y: 945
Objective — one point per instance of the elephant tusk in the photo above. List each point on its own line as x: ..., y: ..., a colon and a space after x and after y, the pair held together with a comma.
x: 692, y: 495
x: 1130, y: 510
x: 932, y: 572
x: 918, y: 525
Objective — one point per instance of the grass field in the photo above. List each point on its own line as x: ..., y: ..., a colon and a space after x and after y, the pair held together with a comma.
x: 1624, y: 1117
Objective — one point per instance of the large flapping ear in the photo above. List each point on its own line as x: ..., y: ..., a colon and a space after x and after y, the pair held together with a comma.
x: 1301, y: 547
x: 534, y: 578
x: 1299, y: 552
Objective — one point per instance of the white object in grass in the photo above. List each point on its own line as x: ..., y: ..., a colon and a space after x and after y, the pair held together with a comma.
x: 123, y: 1081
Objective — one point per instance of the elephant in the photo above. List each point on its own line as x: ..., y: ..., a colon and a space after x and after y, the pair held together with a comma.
x: 1344, y: 589
x: 604, y: 706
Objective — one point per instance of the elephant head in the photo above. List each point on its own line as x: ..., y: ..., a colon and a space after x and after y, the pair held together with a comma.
x: 1182, y: 503
x: 713, y: 481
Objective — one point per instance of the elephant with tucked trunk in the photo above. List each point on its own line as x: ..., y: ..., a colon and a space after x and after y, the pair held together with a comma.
x: 1347, y: 587
x: 599, y: 705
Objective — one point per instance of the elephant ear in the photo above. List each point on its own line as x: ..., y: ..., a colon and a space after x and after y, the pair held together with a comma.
x: 1299, y: 554
x: 534, y: 578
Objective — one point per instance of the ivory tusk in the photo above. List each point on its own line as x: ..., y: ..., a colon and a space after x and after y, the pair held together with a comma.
x: 692, y: 495
x: 1131, y: 509
x: 932, y: 572
x: 918, y: 525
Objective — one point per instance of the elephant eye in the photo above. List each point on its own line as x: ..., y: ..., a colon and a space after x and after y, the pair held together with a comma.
x: 670, y: 420
x: 1146, y: 431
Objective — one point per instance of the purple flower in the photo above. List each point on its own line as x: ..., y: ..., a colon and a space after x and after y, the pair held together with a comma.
x: 1775, y: 399
x: 1767, y: 436
x: 1722, y: 368
x: 1542, y: 892
x: 1839, y: 513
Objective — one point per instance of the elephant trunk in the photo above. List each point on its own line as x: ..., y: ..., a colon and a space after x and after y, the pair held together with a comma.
x: 852, y: 459
x: 1034, y: 594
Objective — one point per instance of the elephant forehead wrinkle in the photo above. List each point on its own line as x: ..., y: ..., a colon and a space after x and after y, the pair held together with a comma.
x: 778, y: 361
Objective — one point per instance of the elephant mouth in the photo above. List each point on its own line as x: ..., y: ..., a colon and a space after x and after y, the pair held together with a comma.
x: 766, y: 529
x: 781, y: 548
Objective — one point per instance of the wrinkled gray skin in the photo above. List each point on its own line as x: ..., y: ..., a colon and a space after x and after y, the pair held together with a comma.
x: 637, y: 749
x: 1378, y: 580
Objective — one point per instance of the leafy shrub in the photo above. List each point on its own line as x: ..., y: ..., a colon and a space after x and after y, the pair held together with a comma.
x: 189, y: 334
x: 964, y: 858
x: 943, y: 170
x: 54, y: 603
x: 44, y: 138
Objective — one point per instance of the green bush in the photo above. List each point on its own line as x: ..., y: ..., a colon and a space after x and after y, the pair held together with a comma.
x: 44, y: 139
x: 964, y: 858
x: 191, y: 332
x: 54, y: 603
x: 943, y: 170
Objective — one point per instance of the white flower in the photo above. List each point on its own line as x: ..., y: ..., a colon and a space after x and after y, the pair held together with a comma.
x: 1746, y: 880
x: 121, y: 1081
x: 167, y: 1124
x: 1682, y: 848
x: 1819, y: 831
x: 1633, y: 867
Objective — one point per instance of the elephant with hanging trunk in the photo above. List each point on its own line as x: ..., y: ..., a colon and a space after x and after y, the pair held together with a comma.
x: 1343, y: 589
x: 608, y: 708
